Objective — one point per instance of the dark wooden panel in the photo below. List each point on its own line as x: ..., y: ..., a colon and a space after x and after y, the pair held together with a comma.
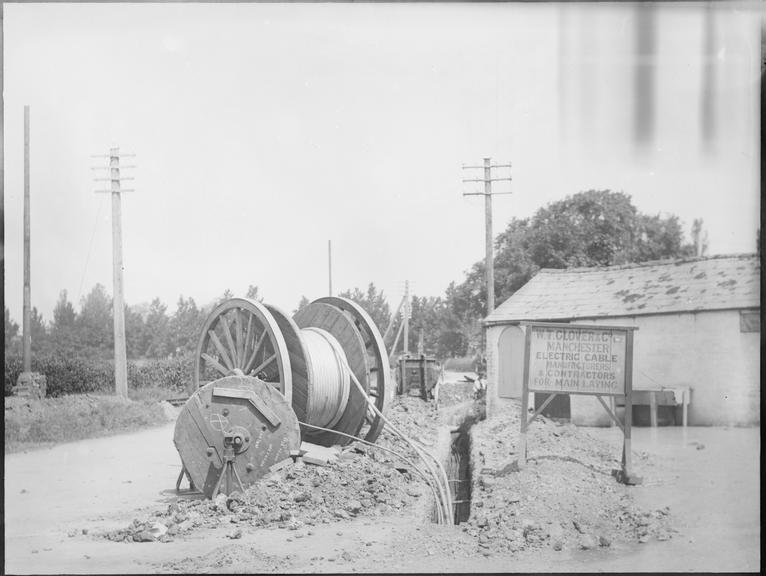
x: 206, y: 417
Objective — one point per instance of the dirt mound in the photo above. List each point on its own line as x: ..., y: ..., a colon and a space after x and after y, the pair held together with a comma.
x: 363, y: 481
x: 565, y: 498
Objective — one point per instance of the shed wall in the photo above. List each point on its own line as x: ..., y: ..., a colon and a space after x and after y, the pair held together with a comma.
x: 704, y: 350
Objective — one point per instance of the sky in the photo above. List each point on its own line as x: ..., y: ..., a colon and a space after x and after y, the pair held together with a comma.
x: 261, y: 131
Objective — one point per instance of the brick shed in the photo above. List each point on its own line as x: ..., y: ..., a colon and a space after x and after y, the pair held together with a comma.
x: 698, y: 326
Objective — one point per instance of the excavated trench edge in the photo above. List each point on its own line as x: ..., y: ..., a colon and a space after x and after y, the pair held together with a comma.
x: 456, y: 458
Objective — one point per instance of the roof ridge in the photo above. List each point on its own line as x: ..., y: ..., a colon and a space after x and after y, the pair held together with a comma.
x: 648, y: 263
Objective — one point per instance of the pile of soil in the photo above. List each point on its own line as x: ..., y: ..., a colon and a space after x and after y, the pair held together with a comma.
x: 565, y: 498
x: 363, y: 481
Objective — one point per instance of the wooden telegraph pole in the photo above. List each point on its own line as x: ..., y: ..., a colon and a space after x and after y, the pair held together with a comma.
x: 489, y: 240
x: 27, y: 335
x: 406, y: 317
x: 329, y: 265
x: 120, y: 355
x: 28, y: 383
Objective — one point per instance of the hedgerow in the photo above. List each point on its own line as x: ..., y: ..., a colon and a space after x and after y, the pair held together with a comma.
x: 71, y: 375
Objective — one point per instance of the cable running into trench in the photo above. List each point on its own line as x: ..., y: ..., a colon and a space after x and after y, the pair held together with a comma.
x: 330, y: 375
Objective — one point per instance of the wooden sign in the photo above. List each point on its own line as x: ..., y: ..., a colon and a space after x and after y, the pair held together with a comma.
x: 578, y: 359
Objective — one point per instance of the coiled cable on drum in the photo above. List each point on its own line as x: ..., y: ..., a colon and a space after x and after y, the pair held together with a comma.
x: 329, y: 376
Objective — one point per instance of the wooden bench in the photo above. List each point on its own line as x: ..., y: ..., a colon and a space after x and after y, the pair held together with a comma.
x: 664, y: 396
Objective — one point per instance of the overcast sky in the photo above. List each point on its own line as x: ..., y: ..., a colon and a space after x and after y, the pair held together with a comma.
x: 261, y: 131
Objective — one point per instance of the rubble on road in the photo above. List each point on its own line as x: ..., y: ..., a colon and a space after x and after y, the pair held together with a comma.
x: 564, y: 499
x: 360, y: 481
x: 566, y: 496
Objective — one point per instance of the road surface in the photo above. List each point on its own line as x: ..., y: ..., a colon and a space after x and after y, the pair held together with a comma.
x: 708, y: 476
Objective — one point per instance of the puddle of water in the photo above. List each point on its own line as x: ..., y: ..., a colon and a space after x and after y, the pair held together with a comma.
x: 710, y: 479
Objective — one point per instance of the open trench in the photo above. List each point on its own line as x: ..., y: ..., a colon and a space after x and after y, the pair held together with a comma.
x: 456, y: 458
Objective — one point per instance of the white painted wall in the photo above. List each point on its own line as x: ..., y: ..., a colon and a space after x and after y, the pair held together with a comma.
x: 703, y: 350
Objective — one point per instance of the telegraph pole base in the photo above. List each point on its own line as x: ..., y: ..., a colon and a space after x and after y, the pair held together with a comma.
x: 627, y: 478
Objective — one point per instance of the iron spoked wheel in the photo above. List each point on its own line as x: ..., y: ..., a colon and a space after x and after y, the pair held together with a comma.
x: 380, y: 379
x: 240, y: 336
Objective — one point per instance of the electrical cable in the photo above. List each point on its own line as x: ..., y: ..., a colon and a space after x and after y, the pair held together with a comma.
x: 394, y: 452
x: 90, y: 247
x: 444, y: 489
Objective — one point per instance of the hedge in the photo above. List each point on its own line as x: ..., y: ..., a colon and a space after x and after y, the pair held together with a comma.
x: 70, y: 375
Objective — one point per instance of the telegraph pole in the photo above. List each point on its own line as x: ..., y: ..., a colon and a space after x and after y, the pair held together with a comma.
x: 406, y: 314
x: 120, y: 354
x: 329, y: 265
x: 489, y: 240
x: 27, y: 334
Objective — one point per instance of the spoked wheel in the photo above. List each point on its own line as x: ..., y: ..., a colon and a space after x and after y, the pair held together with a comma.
x: 240, y: 336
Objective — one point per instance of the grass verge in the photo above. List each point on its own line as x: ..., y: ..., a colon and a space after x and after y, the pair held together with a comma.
x: 31, y: 424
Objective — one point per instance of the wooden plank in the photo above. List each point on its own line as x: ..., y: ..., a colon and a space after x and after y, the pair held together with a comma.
x: 256, y: 348
x: 253, y: 398
x: 524, y: 401
x: 238, y: 338
x: 227, y: 334
x: 263, y: 364
x: 627, y: 459
x: 542, y: 407
x: 610, y: 412
x: 221, y: 349
x: 208, y: 358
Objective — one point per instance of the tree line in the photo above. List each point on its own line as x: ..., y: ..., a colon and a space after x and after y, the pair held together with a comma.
x: 592, y: 228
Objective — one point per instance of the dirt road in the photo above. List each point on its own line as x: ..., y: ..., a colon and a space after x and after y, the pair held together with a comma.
x: 709, y: 477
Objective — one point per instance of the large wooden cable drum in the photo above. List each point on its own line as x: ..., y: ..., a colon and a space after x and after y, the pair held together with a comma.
x: 310, y: 359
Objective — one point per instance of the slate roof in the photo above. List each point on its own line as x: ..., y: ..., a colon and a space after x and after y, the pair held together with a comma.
x: 660, y: 287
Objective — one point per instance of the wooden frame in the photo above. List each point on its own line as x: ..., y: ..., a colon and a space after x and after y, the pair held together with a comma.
x: 627, y: 387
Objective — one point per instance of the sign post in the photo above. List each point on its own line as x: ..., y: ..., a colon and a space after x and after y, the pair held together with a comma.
x: 579, y: 359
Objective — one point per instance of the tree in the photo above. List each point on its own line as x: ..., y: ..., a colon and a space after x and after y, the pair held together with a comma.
x: 184, y: 326
x: 227, y: 295
x: 11, y: 332
x: 136, y: 335
x: 699, y: 238
x: 593, y: 228
x: 38, y: 331
x: 252, y: 293
x: 301, y: 305
x: 426, y: 318
x: 374, y: 303
x: 157, y: 343
x: 94, y: 323
x: 64, y: 336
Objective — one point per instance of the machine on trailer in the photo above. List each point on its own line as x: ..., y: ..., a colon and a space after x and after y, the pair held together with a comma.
x: 421, y: 373
x: 263, y: 381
